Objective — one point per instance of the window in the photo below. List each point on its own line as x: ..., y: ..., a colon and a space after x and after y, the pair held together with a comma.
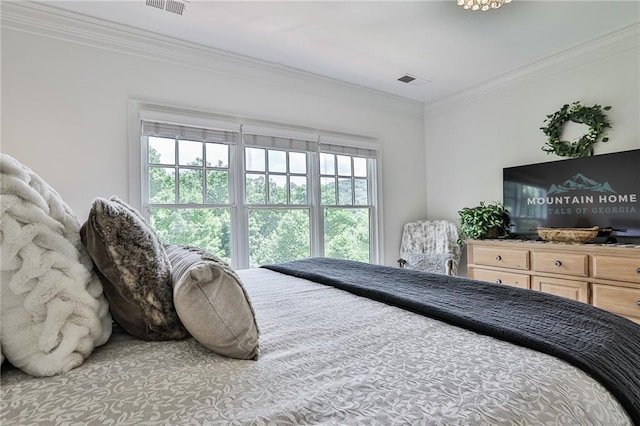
x: 256, y: 197
x: 344, y: 189
x: 188, y: 195
x: 277, y: 204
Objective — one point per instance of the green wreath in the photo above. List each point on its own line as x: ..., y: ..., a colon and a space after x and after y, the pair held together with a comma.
x: 593, y: 117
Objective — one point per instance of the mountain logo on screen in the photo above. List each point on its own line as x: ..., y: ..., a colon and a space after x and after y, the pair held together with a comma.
x: 580, y: 182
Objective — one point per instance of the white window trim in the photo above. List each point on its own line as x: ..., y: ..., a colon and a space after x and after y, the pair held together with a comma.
x: 239, y: 252
x: 139, y: 110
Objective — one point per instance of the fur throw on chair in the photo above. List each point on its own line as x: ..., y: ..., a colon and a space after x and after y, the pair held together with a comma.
x: 54, y: 312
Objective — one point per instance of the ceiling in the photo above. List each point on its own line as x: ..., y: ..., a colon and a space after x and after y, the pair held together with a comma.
x: 373, y: 43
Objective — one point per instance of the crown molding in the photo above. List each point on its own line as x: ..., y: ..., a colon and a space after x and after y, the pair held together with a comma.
x: 622, y: 40
x: 48, y: 21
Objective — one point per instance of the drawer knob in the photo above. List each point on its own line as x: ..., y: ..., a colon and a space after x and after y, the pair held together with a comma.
x: 499, y: 258
x: 638, y: 270
x: 499, y: 281
x: 558, y: 263
x: 638, y: 303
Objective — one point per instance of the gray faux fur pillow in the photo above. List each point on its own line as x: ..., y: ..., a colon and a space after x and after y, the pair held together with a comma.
x: 134, y: 270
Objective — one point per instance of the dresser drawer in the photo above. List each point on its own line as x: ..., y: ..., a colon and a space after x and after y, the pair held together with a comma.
x: 616, y: 268
x: 500, y: 277
x: 576, y: 290
x: 605, y: 275
x: 505, y: 258
x: 620, y: 300
x: 576, y: 264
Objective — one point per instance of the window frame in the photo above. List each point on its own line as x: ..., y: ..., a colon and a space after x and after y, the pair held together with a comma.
x: 139, y: 111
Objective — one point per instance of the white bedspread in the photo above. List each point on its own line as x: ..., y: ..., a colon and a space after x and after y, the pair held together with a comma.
x: 328, y: 357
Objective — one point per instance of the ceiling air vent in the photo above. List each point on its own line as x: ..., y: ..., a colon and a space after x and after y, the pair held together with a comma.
x: 406, y: 78
x: 159, y: 4
x: 173, y: 6
x: 412, y: 80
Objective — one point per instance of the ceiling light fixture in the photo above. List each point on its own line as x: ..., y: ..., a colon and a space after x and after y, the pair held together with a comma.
x: 482, y: 5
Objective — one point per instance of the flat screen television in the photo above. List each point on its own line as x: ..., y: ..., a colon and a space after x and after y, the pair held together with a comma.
x: 601, y: 190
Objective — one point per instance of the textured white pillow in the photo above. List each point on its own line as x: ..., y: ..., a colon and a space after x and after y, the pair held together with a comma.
x: 53, y: 310
x: 212, y: 303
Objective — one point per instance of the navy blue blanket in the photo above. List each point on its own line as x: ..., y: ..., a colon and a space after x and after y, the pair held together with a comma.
x: 604, y: 345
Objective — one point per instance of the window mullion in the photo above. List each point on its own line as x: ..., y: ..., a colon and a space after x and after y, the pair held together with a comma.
x: 146, y: 181
x: 177, y: 171
x: 353, y: 182
x: 372, y: 184
x: 314, y: 194
x: 204, y: 173
x: 287, y: 178
x: 240, y: 214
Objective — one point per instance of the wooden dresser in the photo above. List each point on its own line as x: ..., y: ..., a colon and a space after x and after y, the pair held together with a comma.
x: 606, y: 276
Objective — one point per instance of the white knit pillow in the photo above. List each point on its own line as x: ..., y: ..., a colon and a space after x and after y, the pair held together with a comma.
x: 53, y: 310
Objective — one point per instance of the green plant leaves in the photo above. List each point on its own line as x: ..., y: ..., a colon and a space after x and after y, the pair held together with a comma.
x: 483, y: 221
x: 593, y: 117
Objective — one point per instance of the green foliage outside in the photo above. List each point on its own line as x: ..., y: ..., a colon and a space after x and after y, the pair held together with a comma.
x: 275, y: 235
x: 278, y: 235
x: 209, y: 229
x: 347, y: 234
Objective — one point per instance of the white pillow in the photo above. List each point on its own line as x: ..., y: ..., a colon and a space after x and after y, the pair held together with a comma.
x: 53, y: 310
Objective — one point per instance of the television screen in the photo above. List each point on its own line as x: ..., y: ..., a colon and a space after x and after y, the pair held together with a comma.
x: 602, y: 190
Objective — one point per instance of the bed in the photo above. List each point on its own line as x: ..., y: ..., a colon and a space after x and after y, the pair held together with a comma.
x: 328, y: 356
x: 102, y: 324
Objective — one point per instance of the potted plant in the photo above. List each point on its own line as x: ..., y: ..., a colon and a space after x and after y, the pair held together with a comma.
x: 484, y: 221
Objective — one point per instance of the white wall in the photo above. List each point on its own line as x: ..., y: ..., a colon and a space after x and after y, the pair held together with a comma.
x: 64, y: 112
x: 471, y: 137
